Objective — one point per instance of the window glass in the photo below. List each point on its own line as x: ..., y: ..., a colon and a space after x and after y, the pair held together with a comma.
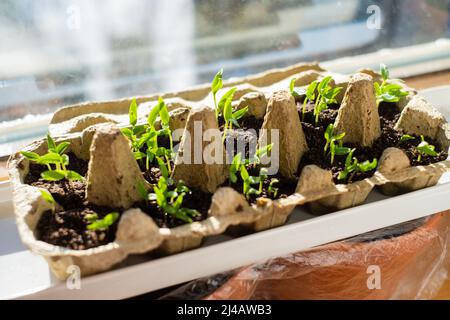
x: 54, y: 53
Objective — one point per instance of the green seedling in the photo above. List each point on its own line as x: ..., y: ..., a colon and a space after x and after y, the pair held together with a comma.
x: 144, y: 138
x: 230, y: 117
x: 169, y: 197
x: 239, y: 168
x: 326, y: 95
x: 388, y: 91
x: 272, y: 189
x: 310, y: 94
x: 101, y: 224
x: 353, y: 166
x: 216, y: 85
x: 55, y: 157
x: 406, y: 137
x: 334, y: 143
x: 48, y: 198
x: 424, y: 148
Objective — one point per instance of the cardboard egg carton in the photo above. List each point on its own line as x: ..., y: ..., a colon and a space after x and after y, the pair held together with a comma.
x: 93, y: 131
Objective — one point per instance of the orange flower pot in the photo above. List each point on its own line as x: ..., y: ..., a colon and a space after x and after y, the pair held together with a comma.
x: 408, y: 266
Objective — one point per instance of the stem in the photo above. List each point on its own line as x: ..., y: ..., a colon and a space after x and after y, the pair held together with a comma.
x: 168, y: 164
x: 224, y: 131
x: 419, y: 158
x: 304, y: 109
x: 49, y: 168
x: 316, y: 111
x: 215, y: 107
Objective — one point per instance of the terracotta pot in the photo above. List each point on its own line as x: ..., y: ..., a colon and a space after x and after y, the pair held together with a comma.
x: 340, y: 270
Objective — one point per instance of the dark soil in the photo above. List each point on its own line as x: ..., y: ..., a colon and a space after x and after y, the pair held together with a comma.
x: 285, y: 186
x: 68, y: 229
x: 78, y: 165
x: 389, y: 114
x: 196, y: 199
x: 246, y: 135
x: 69, y: 194
x: 245, y: 123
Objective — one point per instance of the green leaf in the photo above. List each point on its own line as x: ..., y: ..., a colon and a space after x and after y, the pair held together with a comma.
x: 51, y: 143
x: 261, y: 152
x: 384, y: 71
x: 323, y: 85
x: 406, y: 137
x: 74, y: 176
x: 164, y: 113
x: 253, y: 180
x: 217, y: 83
x: 224, y: 106
x: 65, y: 159
x: 53, y: 175
x: 342, y: 151
x: 91, y: 217
x: 329, y: 132
x: 127, y: 133
x: 244, y: 173
x: 104, y: 223
x: 32, y: 156
x: 162, y: 167
x: 50, y: 158
x: 426, y: 148
x: 140, y: 187
x: 133, y: 112
x: 292, y: 85
x: 367, y: 165
x: 342, y: 175
x: 139, y: 155
x: 47, y: 196
x: 310, y: 91
x: 253, y: 191
x: 233, y: 177
x: 62, y: 147
x: 240, y: 113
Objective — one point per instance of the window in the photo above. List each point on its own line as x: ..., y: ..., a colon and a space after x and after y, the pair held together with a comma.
x: 59, y: 53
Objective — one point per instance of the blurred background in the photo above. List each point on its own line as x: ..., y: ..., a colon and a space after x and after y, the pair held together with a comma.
x: 54, y: 53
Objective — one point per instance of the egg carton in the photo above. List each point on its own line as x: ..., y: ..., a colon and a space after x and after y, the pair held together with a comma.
x: 93, y: 130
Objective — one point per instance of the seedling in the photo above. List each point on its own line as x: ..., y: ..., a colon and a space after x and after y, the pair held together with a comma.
x: 240, y: 167
x: 310, y: 94
x: 406, y: 137
x: 326, y: 96
x: 216, y: 85
x: 272, y: 189
x: 55, y: 157
x: 388, y: 92
x: 231, y: 118
x: 144, y: 138
x: 169, y: 197
x: 332, y: 139
x: 101, y: 224
x: 353, y: 166
x: 48, y: 198
x: 424, y: 148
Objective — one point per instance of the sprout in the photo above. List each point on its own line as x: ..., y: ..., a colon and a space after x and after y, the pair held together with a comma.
x: 169, y: 197
x: 388, y: 92
x: 55, y: 157
x: 326, y: 96
x: 353, y: 166
x: 216, y: 85
x: 424, y: 148
x: 331, y: 139
x: 48, y: 198
x: 101, y: 224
